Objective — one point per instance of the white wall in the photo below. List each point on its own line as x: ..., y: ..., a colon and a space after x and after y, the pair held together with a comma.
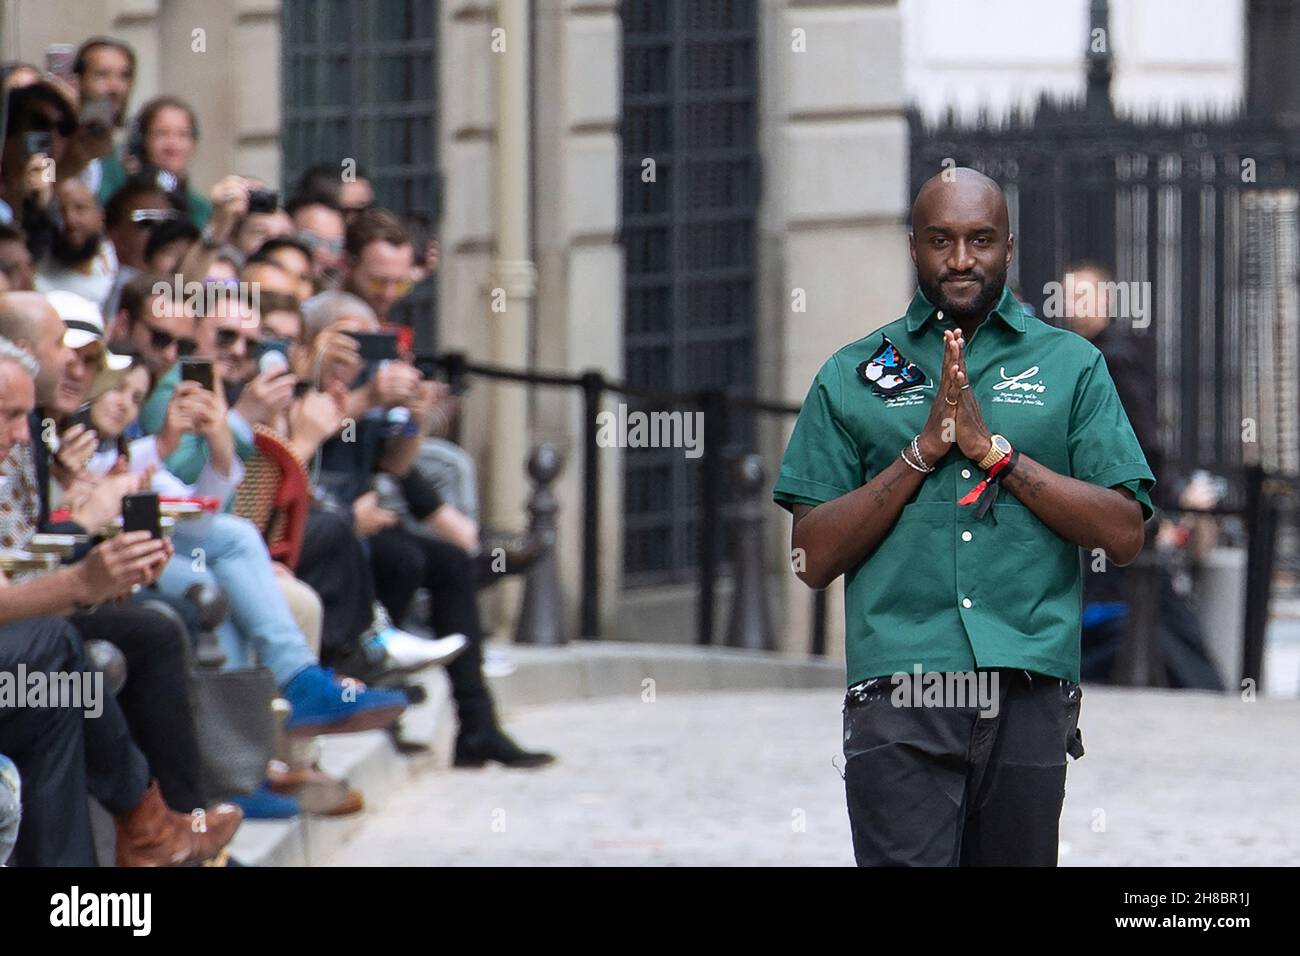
x: 1000, y: 53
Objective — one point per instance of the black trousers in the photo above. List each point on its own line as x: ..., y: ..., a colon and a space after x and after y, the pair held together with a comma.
x: 334, y: 562
x: 945, y: 786
x: 61, y: 755
x: 156, y: 699
x: 403, y: 562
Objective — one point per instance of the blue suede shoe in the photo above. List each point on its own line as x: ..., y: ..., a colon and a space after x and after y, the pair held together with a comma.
x: 262, y: 804
x: 323, y: 704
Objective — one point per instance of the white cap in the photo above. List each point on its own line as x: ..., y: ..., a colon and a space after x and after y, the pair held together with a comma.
x: 84, y: 325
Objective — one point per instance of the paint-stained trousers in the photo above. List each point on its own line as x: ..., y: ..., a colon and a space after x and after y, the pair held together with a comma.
x: 947, y: 786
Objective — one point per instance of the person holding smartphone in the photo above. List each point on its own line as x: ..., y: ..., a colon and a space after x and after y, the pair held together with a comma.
x: 402, y: 561
x: 37, y: 128
x: 62, y: 756
x: 235, y: 556
x: 156, y: 698
x: 103, y: 73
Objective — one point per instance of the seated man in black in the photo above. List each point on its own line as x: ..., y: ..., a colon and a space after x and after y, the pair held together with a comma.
x: 405, y: 559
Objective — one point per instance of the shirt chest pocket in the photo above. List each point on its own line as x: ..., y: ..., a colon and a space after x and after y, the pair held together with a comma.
x: 1035, y: 424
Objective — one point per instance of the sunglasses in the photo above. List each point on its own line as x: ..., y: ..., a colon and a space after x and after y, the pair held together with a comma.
x: 162, y: 341
x: 148, y: 218
x: 313, y: 241
x: 226, y: 339
x: 376, y: 285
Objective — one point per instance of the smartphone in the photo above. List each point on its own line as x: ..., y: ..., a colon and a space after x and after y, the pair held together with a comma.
x: 140, y: 512
x: 40, y: 142
x: 198, y: 370
x: 59, y: 60
x: 80, y: 417
x: 376, y: 346
x: 272, y: 362
x: 272, y: 345
x: 263, y: 200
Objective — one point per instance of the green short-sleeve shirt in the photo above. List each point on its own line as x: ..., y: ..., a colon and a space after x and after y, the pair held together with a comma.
x: 942, y: 590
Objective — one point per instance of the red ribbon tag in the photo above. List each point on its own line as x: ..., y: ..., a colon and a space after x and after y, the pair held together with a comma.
x: 973, y: 495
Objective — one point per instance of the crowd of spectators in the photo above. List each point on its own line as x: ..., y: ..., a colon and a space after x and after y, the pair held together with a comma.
x: 119, y: 274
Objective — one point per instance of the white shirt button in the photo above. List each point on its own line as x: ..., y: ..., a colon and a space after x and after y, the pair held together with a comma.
x: 965, y: 472
x: 965, y: 602
x: 965, y: 535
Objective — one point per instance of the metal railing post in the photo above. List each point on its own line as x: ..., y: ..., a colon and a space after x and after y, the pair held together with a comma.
x: 751, y: 617
x: 1261, y: 531
x: 593, y: 388
x: 715, y: 432
x: 541, y: 620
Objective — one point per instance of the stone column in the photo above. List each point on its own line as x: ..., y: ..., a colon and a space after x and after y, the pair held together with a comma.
x: 832, y: 238
x: 579, y: 317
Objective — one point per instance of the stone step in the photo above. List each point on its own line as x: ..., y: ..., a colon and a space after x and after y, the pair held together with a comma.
x: 543, y: 675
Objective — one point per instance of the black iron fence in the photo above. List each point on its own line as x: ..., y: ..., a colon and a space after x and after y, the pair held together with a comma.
x: 719, y: 408
x: 1198, y: 217
x: 1264, y: 500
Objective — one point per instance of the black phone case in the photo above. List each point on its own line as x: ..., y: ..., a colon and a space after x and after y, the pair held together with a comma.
x: 200, y: 372
x: 141, y: 512
x: 375, y: 346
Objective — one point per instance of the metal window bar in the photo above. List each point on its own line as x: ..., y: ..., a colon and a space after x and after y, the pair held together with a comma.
x: 360, y: 82
x: 690, y: 104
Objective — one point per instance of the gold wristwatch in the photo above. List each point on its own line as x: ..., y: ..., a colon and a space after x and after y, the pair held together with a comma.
x: 997, y: 451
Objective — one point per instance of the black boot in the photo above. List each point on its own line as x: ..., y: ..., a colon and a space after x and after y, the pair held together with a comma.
x: 477, y: 750
x: 481, y: 739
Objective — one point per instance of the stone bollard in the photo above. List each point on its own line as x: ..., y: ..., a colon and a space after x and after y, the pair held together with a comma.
x: 751, y: 620
x: 541, y: 617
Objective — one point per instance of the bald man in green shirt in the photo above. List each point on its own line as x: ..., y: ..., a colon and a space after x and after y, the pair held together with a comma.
x: 951, y: 465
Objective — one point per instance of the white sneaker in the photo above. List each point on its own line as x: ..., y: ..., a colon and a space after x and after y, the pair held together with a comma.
x: 406, y: 652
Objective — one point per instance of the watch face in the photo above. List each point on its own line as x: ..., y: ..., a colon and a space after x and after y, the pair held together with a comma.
x: 1001, y: 444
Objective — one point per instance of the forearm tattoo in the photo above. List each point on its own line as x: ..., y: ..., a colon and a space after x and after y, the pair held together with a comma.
x: 880, y: 493
x: 1026, y: 480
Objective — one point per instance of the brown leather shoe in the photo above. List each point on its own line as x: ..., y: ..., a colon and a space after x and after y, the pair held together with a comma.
x: 154, y: 835
x: 316, y: 791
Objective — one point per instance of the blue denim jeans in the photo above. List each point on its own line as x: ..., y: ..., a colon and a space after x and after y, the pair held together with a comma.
x: 11, y: 807
x: 228, y: 550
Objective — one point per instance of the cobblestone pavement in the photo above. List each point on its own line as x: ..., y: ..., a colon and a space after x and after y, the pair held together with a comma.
x: 747, y: 778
